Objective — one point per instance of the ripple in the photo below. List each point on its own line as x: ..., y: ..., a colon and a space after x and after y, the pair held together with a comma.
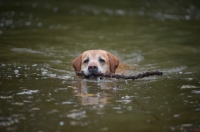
x: 28, y: 92
x: 26, y: 50
x: 189, y: 87
x: 175, y: 69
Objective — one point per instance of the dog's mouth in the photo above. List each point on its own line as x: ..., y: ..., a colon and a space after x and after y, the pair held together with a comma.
x: 93, y: 74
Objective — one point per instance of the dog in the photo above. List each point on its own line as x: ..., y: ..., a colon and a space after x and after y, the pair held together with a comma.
x: 95, y: 61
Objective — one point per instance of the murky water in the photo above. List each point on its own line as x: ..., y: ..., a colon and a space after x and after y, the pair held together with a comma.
x: 39, y: 89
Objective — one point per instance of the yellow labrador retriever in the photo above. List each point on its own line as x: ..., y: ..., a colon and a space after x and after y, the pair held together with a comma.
x: 95, y: 61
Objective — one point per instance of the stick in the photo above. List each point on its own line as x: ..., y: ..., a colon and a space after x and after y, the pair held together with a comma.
x: 117, y: 76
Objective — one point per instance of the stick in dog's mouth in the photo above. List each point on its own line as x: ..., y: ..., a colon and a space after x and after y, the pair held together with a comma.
x: 117, y: 76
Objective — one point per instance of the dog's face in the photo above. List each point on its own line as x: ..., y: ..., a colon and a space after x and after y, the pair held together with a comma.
x: 95, y: 61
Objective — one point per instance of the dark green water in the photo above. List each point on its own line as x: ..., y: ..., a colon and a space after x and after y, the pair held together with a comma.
x: 39, y: 91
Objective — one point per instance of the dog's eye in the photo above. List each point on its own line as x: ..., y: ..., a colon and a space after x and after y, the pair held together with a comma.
x: 86, y: 61
x: 101, y: 60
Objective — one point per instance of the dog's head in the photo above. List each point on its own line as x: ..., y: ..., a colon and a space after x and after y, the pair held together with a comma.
x: 95, y: 61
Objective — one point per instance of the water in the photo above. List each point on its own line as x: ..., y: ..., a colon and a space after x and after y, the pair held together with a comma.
x: 39, y: 89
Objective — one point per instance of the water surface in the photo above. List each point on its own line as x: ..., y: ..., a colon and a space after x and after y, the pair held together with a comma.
x: 39, y: 89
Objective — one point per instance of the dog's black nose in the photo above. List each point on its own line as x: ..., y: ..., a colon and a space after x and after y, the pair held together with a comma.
x: 92, y: 69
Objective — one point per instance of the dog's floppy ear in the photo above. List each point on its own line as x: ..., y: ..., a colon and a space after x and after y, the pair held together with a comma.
x: 76, y: 63
x: 114, y: 62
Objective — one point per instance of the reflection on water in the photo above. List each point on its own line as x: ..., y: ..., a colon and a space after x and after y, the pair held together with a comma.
x: 39, y: 89
x: 89, y: 95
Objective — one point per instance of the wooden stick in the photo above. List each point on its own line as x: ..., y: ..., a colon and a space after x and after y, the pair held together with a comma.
x: 117, y: 76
